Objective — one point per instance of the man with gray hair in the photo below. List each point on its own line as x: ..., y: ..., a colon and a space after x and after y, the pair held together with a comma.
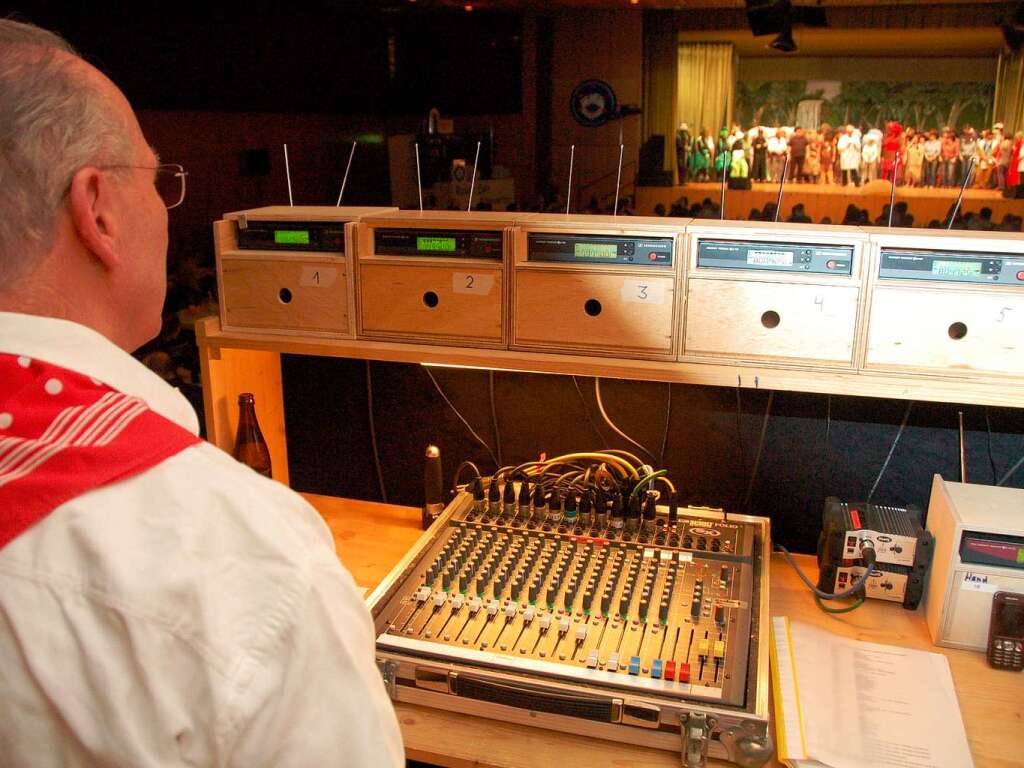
x: 160, y: 603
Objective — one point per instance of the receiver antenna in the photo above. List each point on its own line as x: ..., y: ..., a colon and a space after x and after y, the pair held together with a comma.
x: 288, y: 176
x: 351, y: 154
x: 960, y: 197
x: 618, y: 180
x: 721, y: 199
x: 782, y: 183
x: 419, y: 182
x: 472, y: 182
x: 568, y: 192
x: 963, y: 448
x: 892, y: 192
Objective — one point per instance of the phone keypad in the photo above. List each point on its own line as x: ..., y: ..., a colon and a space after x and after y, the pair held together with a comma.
x: 1007, y: 652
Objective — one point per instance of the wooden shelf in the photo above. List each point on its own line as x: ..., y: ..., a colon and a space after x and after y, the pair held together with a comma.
x: 976, y: 390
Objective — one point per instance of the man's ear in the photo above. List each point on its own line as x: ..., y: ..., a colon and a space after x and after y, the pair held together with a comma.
x: 90, y: 199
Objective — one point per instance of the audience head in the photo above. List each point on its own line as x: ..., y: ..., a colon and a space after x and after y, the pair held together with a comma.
x: 83, y: 234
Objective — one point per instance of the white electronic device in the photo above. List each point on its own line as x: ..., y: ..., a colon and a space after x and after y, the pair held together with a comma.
x: 979, y: 550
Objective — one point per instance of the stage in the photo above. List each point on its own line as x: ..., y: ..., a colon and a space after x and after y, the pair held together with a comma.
x: 821, y: 200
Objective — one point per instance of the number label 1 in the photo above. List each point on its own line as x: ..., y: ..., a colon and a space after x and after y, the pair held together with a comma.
x: 643, y: 292
x: 477, y: 283
x: 318, y: 277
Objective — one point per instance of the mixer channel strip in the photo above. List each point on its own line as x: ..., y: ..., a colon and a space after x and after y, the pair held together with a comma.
x: 496, y: 590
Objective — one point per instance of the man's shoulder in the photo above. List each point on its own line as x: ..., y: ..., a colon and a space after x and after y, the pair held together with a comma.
x: 198, y: 544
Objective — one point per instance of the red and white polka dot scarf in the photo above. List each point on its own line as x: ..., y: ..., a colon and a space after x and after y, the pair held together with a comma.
x: 62, y: 434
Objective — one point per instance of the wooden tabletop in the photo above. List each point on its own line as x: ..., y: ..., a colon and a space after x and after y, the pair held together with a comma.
x: 371, y: 538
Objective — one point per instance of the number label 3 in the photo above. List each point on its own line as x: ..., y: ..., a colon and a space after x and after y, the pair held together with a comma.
x: 642, y: 292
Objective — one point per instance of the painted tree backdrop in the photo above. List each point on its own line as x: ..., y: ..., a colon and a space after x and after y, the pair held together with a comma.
x: 873, y: 103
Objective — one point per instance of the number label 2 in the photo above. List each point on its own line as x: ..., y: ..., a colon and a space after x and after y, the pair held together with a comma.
x: 476, y: 283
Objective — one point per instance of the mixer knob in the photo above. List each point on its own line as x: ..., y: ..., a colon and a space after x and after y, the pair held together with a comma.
x: 592, y: 659
x: 457, y: 601
x: 528, y: 614
x: 492, y: 608
x: 643, y: 608
x: 613, y: 662
x: 439, y: 599
x: 720, y: 615
x: 581, y: 633
x: 606, y: 601
x: 510, y: 610
x: 474, y: 605
x: 545, y: 621
x: 663, y: 610
x: 422, y: 594
x: 624, y: 605
x: 563, y: 625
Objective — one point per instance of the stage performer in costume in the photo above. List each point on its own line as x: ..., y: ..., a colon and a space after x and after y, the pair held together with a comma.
x: 759, y: 169
x: 683, y: 150
x: 914, y: 161
x: 828, y: 158
x: 701, y: 158
x: 848, y: 147
x: 1013, y: 174
x: 892, y: 144
x: 950, y: 157
x: 1003, y: 158
x: 738, y: 168
x: 968, y: 151
x: 812, y: 165
x: 932, y: 158
x: 723, y: 155
x: 160, y: 603
x: 870, y: 154
x: 797, y: 155
x: 777, y: 149
x: 987, y: 146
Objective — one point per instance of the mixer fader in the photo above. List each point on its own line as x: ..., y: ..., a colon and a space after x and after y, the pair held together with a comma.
x: 602, y: 608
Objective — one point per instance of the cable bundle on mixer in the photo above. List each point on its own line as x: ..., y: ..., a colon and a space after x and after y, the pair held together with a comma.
x: 608, y: 493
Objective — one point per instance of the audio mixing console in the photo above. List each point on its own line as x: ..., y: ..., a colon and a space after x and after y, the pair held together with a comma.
x: 604, y: 616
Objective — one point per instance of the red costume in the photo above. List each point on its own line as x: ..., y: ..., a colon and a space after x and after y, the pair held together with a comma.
x: 1013, y: 172
x: 892, y: 143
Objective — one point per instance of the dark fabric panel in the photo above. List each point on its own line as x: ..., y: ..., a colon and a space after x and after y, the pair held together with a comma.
x: 814, y: 445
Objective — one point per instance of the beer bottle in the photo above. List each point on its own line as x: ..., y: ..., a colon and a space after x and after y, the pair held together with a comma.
x: 250, y: 447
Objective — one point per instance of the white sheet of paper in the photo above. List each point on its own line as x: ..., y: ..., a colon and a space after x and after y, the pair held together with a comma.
x: 866, y: 704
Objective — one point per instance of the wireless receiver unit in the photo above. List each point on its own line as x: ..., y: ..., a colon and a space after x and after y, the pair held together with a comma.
x: 902, y: 545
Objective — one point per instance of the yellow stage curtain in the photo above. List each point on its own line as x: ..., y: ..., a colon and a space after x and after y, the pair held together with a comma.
x: 1009, y: 101
x: 660, y: 85
x: 706, y: 86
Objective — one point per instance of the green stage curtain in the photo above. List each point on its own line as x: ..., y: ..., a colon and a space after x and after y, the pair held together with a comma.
x: 1009, y: 101
x: 661, y: 67
x: 706, y: 86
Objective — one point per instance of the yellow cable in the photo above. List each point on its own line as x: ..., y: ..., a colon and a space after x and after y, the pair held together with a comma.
x: 667, y: 482
x: 620, y: 464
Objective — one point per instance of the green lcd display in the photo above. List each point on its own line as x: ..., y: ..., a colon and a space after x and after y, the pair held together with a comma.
x: 291, y: 236
x: 436, y: 244
x: 956, y: 268
x: 596, y: 250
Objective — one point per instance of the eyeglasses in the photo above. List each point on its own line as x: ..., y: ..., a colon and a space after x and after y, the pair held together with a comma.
x: 169, y: 181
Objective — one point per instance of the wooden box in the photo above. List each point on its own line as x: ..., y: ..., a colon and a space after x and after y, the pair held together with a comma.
x: 434, y: 277
x: 284, y: 269
x: 785, y: 293
x: 946, y: 302
x: 602, y: 304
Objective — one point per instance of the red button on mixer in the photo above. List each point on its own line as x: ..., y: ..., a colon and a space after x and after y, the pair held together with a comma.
x: 670, y: 670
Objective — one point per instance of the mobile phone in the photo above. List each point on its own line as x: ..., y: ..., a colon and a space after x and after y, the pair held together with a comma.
x: 1006, y: 631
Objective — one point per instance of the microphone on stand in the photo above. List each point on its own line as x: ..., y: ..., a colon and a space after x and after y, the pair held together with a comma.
x: 433, y: 486
x: 782, y: 183
x: 960, y: 197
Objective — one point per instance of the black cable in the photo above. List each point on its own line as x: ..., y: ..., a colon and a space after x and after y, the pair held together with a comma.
x: 373, y: 433
x: 461, y: 418
x: 458, y: 472
x: 668, y: 421
x: 760, y: 448
x: 828, y: 444
x: 494, y: 418
x: 586, y: 410
x: 991, y: 456
x: 892, y: 449
x: 867, y: 553
x: 739, y: 435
